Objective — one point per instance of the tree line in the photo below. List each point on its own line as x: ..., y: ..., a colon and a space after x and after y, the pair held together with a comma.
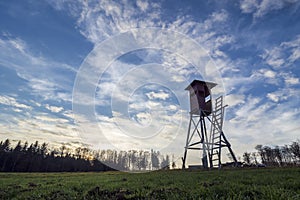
x: 286, y: 155
x: 35, y: 157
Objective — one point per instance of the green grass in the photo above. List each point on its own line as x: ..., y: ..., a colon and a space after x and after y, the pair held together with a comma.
x: 280, y: 183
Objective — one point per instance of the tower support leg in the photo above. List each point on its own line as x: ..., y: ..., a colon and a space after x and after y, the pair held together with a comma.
x: 229, y: 148
x: 187, y: 143
x: 204, y: 146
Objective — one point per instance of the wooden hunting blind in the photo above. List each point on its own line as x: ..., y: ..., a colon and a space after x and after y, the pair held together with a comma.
x: 200, y: 96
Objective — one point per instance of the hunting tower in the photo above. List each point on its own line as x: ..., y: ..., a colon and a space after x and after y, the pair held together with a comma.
x: 202, y: 113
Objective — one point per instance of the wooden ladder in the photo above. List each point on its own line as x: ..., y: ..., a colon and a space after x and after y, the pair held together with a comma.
x: 216, y: 133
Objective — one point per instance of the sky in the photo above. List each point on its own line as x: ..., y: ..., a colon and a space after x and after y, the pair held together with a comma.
x: 112, y: 74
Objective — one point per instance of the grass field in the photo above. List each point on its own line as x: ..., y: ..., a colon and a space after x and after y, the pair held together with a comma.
x: 280, y: 183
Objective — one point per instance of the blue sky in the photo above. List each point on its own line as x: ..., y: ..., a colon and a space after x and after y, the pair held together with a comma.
x: 51, y: 60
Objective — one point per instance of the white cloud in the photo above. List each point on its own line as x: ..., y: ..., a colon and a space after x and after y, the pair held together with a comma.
x: 283, y: 94
x: 259, y: 122
x: 55, y: 109
x: 288, y: 78
x: 246, y: 112
x: 292, y: 80
x: 158, y: 95
x: 268, y: 76
x: 248, y: 6
x: 263, y: 7
x: 283, y: 55
x: 11, y: 101
x: 143, y: 5
x: 295, y: 54
x: 173, y: 108
x: 294, y: 47
x: 18, y: 44
x: 215, y: 19
x: 221, y: 16
x: 100, y: 20
x: 48, y: 118
x: 274, y: 57
x: 273, y: 97
x: 266, y: 73
x: 234, y: 99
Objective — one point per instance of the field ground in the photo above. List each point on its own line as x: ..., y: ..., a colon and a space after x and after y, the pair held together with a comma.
x: 279, y: 183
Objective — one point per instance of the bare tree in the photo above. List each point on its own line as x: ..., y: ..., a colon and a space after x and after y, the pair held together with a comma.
x: 246, y: 158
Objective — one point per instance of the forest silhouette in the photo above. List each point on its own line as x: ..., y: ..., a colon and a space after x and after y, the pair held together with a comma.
x: 37, y: 157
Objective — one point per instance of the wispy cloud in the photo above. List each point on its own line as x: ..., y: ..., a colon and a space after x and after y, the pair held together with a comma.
x: 37, y: 70
x: 260, y: 8
x: 54, y: 109
x: 11, y: 101
x: 284, y: 55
